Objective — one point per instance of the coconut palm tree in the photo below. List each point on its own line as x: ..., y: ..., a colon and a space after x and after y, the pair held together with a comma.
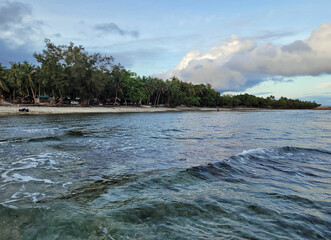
x: 118, y: 80
x: 15, y: 79
x: 27, y: 71
x: 3, y: 86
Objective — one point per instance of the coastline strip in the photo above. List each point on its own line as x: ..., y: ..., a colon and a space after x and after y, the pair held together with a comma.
x: 35, y: 110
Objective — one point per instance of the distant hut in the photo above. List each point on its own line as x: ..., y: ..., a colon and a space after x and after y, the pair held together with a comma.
x: 42, y: 99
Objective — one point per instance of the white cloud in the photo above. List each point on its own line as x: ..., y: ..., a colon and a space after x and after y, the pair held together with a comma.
x: 239, y: 63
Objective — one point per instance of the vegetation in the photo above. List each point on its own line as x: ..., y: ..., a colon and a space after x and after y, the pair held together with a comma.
x: 69, y: 74
x: 248, y: 100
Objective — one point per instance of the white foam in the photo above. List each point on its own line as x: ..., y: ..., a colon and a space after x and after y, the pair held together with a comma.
x: 21, y: 178
x: 126, y: 148
x: 9, y: 206
x: 44, y: 160
x: 65, y: 184
x: 39, y: 130
x: 254, y: 151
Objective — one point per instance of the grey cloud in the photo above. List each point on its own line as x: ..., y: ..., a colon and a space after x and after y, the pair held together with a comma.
x: 280, y: 79
x: 198, y: 66
x: 262, y: 93
x: 13, y: 13
x: 297, y: 46
x: 273, y: 35
x: 239, y: 63
x: 57, y: 35
x: 17, y: 26
x: 112, y: 28
x: 18, y: 54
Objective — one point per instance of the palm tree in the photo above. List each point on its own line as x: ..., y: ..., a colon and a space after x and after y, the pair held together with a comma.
x: 118, y: 80
x: 150, y: 87
x: 3, y: 86
x: 15, y: 79
x: 27, y: 71
x: 160, y: 89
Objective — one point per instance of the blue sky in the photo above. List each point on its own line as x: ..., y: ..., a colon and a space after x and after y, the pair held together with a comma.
x: 259, y: 47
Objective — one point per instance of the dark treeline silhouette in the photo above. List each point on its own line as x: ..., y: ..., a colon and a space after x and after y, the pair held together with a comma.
x: 70, y: 75
x: 247, y: 100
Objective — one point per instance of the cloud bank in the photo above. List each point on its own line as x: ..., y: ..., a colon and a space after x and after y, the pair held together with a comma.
x: 19, y: 31
x: 17, y: 26
x: 240, y: 63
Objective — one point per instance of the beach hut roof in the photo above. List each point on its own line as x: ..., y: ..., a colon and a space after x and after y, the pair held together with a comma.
x: 39, y: 96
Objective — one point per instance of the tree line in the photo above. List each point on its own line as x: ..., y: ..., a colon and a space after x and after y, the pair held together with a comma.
x: 248, y: 100
x: 68, y: 73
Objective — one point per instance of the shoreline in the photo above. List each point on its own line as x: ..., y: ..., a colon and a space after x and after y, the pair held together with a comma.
x: 38, y: 110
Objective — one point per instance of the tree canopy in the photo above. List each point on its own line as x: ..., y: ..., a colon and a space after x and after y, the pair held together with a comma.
x: 69, y: 73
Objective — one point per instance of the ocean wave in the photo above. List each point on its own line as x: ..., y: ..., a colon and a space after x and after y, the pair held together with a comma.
x: 265, y: 193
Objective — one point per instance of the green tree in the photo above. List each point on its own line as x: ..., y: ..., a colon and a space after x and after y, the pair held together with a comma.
x: 15, y: 79
x: 118, y: 76
x: 134, y: 88
x: 52, y: 68
x: 150, y: 87
x: 175, y: 95
x: 27, y: 72
x: 3, y: 85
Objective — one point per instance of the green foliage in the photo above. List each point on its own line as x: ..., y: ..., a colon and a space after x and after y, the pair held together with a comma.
x: 134, y: 88
x: 192, y: 101
x: 3, y: 85
x: 247, y: 100
x: 69, y: 72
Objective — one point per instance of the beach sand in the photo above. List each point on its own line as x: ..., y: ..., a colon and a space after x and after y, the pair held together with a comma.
x: 13, y: 110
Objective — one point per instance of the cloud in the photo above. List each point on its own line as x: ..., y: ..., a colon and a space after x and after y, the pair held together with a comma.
x: 17, y: 26
x: 18, y: 54
x: 13, y: 13
x: 112, y: 28
x: 273, y: 35
x: 19, y: 31
x: 262, y: 93
x: 238, y: 64
x: 323, y: 85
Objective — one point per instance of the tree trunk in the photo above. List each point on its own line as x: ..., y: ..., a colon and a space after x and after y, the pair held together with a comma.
x: 155, y: 101
x: 158, y: 98
x: 148, y: 98
x: 115, y: 96
x: 53, y: 96
x: 33, y: 95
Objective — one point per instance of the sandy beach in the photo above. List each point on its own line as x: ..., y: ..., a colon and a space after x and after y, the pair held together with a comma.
x: 13, y: 110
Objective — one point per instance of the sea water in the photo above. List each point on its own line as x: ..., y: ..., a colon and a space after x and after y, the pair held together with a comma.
x: 188, y: 175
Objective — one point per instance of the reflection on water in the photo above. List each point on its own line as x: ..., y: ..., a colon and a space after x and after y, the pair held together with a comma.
x: 166, y: 176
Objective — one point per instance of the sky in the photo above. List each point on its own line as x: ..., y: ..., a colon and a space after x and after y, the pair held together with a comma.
x: 260, y: 47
